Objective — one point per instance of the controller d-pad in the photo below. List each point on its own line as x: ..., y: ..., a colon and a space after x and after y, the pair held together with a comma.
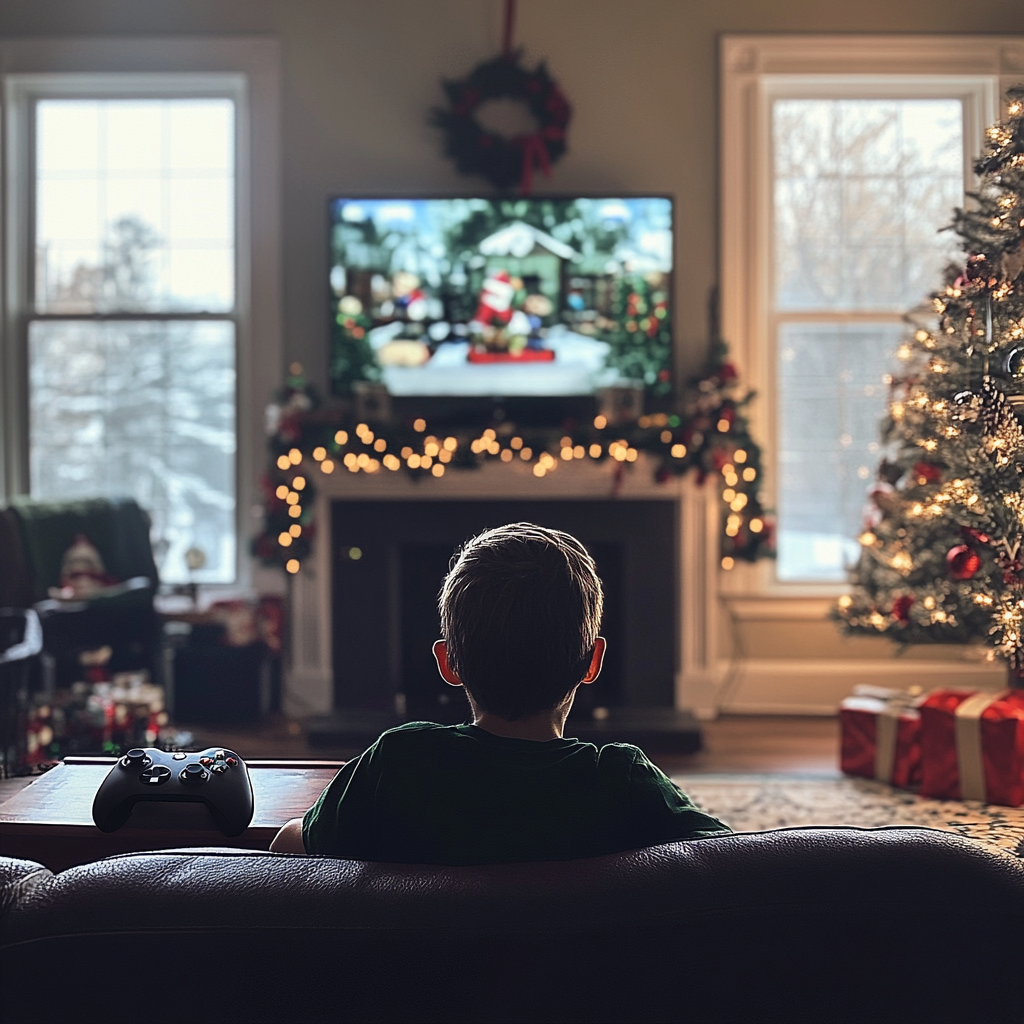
x: 155, y: 775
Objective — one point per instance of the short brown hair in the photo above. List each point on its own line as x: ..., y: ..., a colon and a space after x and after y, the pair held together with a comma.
x: 520, y: 613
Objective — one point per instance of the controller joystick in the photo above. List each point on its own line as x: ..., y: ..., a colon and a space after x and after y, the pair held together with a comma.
x: 215, y: 777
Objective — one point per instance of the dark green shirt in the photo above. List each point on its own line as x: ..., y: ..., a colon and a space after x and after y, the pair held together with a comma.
x: 447, y: 794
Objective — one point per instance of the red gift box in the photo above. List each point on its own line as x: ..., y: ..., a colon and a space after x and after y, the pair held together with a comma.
x: 881, y: 736
x: 972, y: 746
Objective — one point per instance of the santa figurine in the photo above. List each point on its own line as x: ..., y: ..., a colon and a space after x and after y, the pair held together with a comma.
x: 82, y: 572
x: 495, y: 306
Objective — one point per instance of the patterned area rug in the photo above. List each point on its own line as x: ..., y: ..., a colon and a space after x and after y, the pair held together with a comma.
x: 753, y: 803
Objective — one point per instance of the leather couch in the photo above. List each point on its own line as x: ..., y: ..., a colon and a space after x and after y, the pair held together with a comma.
x: 817, y: 925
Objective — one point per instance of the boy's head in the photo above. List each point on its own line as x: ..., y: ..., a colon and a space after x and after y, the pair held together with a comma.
x: 520, y: 612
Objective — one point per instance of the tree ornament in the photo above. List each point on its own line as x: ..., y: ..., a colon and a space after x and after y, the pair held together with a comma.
x: 963, y: 562
x: 1013, y: 363
x: 927, y: 472
x: 901, y: 608
x: 504, y: 162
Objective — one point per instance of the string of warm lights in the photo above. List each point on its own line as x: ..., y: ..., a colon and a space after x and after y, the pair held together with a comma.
x: 712, y: 439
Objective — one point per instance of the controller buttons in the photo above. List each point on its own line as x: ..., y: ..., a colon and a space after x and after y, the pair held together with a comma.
x: 220, y: 755
x: 193, y: 773
x: 155, y: 775
x: 136, y: 758
x: 206, y: 761
x: 219, y: 768
x: 232, y: 761
x: 179, y: 755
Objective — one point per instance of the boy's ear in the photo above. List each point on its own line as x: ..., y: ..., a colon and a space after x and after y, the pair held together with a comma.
x: 441, y: 656
x: 596, y: 660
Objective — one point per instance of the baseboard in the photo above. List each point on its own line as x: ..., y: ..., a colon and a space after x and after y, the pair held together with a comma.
x: 804, y: 687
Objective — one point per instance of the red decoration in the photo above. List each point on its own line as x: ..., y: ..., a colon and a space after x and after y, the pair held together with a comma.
x: 860, y: 721
x: 929, y: 470
x: 963, y: 562
x: 901, y: 608
x: 983, y: 750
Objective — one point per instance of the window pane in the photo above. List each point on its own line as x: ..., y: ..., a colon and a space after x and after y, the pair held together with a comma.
x: 135, y: 205
x: 145, y: 409
x: 831, y: 399
x: 862, y: 189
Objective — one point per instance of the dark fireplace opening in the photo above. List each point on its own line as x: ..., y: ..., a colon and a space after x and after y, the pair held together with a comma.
x: 390, y: 558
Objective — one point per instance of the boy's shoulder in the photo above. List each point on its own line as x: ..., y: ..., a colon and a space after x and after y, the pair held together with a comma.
x: 415, y: 733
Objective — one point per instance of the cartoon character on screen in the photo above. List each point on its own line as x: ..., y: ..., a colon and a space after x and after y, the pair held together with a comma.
x: 535, y: 308
x: 492, y: 325
x: 410, y: 300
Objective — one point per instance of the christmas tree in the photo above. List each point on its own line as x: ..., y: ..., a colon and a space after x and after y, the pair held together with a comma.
x: 640, y: 336
x: 941, y: 552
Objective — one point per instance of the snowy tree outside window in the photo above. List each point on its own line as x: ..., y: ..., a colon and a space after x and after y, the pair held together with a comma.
x: 131, y: 351
x: 861, y: 191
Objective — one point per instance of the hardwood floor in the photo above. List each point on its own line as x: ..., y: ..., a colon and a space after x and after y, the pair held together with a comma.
x: 772, y: 744
x: 782, y: 745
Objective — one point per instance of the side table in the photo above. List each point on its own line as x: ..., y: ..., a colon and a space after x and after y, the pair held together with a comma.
x: 50, y: 820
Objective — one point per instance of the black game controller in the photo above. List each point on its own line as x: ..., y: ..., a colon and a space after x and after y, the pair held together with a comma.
x: 215, y: 777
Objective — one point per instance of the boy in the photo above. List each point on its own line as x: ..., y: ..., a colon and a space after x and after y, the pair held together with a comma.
x: 520, y: 610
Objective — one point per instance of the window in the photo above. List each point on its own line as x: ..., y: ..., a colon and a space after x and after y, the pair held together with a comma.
x: 860, y: 189
x: 842, y: 160
x: 131, y: 332
x: 142, y: 302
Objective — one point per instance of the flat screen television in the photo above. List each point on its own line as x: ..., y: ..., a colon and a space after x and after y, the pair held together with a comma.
x: 501, y: 298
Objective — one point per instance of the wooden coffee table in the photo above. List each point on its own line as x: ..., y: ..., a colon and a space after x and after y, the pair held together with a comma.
x: 50, y: 820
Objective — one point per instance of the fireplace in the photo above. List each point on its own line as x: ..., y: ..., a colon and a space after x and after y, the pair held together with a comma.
x: 361, y: 627
x: 391, y: 556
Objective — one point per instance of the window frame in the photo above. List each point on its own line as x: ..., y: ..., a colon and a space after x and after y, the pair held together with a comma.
x: 755, y: 71
x: 248, y: 73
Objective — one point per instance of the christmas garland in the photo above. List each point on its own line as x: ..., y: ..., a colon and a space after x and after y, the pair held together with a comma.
x: 503, y: 161
x: 711, y: 438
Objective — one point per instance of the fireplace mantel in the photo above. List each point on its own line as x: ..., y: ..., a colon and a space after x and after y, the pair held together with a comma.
x: 309, y: 684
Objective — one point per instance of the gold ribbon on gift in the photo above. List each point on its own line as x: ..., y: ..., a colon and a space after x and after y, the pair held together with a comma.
x: 891, y: 704
x: 967, y: 723
x: 886, y: 726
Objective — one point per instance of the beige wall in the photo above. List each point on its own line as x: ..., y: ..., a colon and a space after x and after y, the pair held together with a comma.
x: 359, y: 77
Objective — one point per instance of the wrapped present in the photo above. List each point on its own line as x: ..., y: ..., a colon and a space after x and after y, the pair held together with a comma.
x: 881, y: 735
x: 972, y: 746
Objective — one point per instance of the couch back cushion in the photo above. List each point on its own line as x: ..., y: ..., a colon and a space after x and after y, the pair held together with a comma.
x: 792, y: 925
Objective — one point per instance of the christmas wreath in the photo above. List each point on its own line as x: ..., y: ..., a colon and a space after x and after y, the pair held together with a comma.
x: 478, y: 150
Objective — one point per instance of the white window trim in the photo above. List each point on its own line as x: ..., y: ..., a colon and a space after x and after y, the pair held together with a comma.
x: 247, y: 70
x: 754, y: 71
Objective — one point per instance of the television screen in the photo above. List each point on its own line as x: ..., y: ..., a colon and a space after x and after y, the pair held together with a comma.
x: 501, y: 297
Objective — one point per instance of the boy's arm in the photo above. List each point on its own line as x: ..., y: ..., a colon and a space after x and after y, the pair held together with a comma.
x: 289, y: 838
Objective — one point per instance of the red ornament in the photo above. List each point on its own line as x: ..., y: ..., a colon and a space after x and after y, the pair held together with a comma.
x: 929, y: 470
x: 901, y: 608
x: 963, y: 562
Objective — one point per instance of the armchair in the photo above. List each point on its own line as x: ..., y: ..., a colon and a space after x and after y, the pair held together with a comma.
x: 35, y: 537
